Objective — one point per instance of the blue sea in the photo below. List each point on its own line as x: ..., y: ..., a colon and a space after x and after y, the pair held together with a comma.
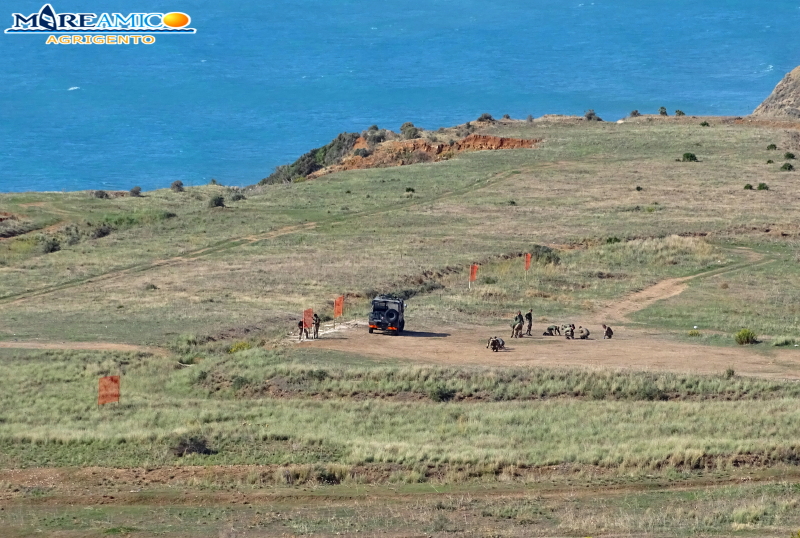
x: 261, y: 82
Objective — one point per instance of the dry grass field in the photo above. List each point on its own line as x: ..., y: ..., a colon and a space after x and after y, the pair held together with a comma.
x: 229, y: 427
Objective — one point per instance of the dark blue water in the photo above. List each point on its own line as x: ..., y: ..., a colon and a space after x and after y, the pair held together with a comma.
x: 262, y: 82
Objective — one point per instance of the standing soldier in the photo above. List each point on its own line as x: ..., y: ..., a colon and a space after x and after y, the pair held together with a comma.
x: 516, y: 327
x: 316, y: 322
x: 529, y: 319
x: 302, y: 328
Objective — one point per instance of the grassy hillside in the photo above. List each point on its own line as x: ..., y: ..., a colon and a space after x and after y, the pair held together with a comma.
x: 288, y: 439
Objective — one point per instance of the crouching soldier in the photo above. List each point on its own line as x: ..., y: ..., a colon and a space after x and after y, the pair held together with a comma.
x: 583, y: 333
x: 496, y: 343
x: 607, y: 332
x: 552, y: 330
x: 569, y: 332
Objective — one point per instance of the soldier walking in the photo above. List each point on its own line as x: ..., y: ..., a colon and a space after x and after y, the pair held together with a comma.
x: 529, y: 319
x: 316, y: 322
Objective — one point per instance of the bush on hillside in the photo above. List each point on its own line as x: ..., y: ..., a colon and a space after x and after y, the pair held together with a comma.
x: 529, y: 119
x: 177, y: 186
x: 748, y: 187
x: 663, y: 111
x: 100, y: 194
x: 772, y: 147
x: 101, y: 231
x: 362, y: 152
x: 506, y: 117
x: 485, y: 117
x: 635, y: 114
x: 544, y: 255
x: 136, y: 191
x: 638, y: 188
x: 590, y: 115
x: 50, y: 244
x: 238, y: 196
x: 314, y: 160
x: 705, y: 124
x: 788, y: 155
x: 762, y: 187
x: 680, y: 113
x: 787, y: 167
x: 745, y: 337
x: 770, y: 161
x: 216, y: 201
x: 689, y: 158
x: 408, y: 131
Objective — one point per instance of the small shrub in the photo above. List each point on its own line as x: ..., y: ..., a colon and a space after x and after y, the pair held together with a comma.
x: 50, y: 244
x: 748, y: 187
x: 410, y: 189
x: 663, y: 111
x: 591, y: 116
x: 191, y: 445
x: 529, y: 119
x: 635, y: 114
x: 730, y: 373
x: 149, y: 286
x: 679, y: 113
x: 177, y: 186
x: 362, y: 152
x: 408, y: 131
x: 506, y: 117
x: 613, y: 240
x: 100, y: 194
x: 239, y: 382
x: 216, y: 201
x: 545, y: 255
x: 511, y: 202
x: 237, y: 197
x: 638, y: 188
x: 787, y: 167
x: 689, y: 158
x: 788, y: 155
x: 101, y: 231
x: 213, y: 182
x: 745, y: 337
x: 485, y: 117
x: 136, y: 191
x: 763, y: 187
x: 770, y: 161
x: 488, y: 280
x: 705, y: 124
x: 239, y: 346
x: 373, y: 127
x: 694, y: 333
x: 772, y: 147
x: 439, y: 393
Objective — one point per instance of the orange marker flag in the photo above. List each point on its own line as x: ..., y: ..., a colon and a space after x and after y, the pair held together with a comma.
x: 308, y: 316
x: 473, y: 273
x: 338, y: 307
x: 527, y: 261
x: 108, y: 390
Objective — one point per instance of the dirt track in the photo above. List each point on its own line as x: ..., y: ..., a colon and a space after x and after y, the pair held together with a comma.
x: 631, y: 349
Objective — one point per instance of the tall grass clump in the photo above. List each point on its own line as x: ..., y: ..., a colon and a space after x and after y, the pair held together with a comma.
x: 689, y: 158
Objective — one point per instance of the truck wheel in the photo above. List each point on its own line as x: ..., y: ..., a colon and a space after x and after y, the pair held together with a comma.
x: 370, y: 330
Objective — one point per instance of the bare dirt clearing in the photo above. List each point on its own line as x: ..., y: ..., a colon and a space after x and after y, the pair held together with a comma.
x: 631, y: 349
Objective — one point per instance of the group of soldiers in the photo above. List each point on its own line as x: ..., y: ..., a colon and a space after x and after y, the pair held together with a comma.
x: 567, y: 330
x: 315, y: 323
